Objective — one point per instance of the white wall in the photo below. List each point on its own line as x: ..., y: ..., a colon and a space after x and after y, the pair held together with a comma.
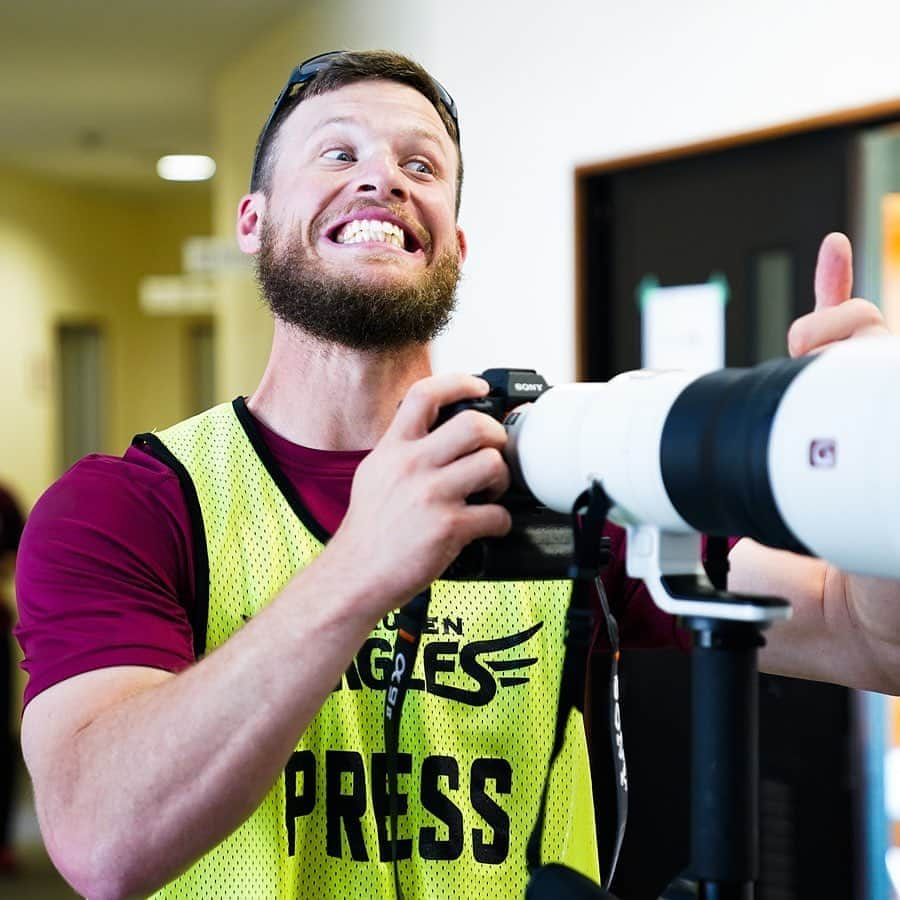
x: 596, y: 80
x: 542, y: 88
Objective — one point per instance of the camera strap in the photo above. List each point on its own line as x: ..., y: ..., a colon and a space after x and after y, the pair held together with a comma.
x: 615, y: 731
x: 589, y: 516
x: 410, y: 621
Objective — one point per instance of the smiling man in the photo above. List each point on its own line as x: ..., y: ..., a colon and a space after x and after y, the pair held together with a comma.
x: 208, y: 621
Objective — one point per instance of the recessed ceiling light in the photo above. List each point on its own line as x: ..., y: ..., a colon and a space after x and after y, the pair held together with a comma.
x: 186, y: 168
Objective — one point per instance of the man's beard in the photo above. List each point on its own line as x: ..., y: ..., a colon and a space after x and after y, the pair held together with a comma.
x: 344, y: 308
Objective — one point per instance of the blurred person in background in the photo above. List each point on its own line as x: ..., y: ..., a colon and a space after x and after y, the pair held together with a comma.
x: 11, y: 524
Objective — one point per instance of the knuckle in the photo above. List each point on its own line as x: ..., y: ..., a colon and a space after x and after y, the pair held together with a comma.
x: 419, y: 391
x: 428, y: 390
x: 500, y: 521
x: 430, y: 494
x: 405, y: 465
x: 497, y: 464
x: 871, y: 312
x: 474, y: 420
x: 481, y: 428
x: 863, y: 311
x: 487, y: 429
x: 411, y: 461
x: 446, y: 528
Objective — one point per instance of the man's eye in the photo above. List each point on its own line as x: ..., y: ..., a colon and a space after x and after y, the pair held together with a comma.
x: 420, y: 166
x: 337, y: 154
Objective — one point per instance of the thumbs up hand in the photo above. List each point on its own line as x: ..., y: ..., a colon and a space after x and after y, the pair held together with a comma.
x: 837, y: 315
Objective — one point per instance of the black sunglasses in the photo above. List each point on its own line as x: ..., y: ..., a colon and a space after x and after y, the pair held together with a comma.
x: 308, y: 70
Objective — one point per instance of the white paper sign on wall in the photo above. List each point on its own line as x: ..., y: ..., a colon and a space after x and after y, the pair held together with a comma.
x: 683, y: 326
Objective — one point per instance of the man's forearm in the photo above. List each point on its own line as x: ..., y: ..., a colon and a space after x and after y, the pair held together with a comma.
x: 844, y: 629
x: 163, y: 773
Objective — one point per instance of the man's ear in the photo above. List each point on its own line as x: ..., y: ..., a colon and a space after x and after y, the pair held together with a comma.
x: 463, y: 244
x: 250, y: 214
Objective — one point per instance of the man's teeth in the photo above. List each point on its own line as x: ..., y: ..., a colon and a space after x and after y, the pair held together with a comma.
x: 360, y: 230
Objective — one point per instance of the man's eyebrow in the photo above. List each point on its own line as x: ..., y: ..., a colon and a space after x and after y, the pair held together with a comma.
x: 427, y: 134
x: 333, y: 120
x: 416, y: 131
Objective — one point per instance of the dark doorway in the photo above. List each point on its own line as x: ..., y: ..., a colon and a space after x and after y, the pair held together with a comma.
x: 754, y: 214
x: 754, y: 211
x: 80, y: 391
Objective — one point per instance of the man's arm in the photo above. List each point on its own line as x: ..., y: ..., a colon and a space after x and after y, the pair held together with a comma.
x: 845, y: 628
x: 138, y: 772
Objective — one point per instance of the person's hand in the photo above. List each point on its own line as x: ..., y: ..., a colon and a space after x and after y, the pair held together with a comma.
x: 845, y: 627
x: 837, y: 315
x: 408, y: 518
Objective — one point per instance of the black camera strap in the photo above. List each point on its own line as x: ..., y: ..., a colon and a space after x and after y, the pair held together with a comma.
x: 410, y: 621
x: 589, y: 516
x: 615, y: 731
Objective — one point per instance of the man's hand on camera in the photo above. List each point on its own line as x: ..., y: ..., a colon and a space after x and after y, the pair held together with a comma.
x: 408, y: 517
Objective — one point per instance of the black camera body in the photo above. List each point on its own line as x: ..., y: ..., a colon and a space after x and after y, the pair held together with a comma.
x: 540, y: 544
x: 509, y: 388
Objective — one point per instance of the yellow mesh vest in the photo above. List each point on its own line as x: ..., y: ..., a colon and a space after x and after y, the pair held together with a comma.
x: 476, y: 731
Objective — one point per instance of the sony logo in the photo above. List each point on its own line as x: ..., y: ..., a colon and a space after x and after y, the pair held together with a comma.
x: 528, y: 386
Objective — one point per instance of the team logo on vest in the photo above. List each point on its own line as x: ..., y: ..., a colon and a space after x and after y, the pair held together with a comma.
x: 355, y: 784
x: 486, y: 664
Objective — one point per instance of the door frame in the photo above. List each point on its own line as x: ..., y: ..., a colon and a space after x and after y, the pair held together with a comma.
x: 881, y: 113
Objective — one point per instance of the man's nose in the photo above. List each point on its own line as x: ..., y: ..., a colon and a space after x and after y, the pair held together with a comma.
x: 383, y: 177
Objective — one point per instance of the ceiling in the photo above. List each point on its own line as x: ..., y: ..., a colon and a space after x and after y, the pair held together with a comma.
x: 98, y: 90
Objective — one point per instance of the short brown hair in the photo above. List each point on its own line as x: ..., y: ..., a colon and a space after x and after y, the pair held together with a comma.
x: 347, y: 68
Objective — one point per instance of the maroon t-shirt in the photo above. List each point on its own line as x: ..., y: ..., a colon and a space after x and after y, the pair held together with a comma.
x: 105, y: 575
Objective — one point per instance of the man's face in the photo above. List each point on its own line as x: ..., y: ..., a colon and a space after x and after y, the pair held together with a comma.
x: 358, y: 240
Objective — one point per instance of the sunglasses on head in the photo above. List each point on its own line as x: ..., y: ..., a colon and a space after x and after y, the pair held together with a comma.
x: 305, y: 73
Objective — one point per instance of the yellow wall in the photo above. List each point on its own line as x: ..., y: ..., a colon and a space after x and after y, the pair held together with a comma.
x: 76, y: 254
x: 243, y: 97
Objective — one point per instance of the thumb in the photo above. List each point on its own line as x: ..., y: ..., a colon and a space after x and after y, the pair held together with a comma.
x: 834, y: 271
